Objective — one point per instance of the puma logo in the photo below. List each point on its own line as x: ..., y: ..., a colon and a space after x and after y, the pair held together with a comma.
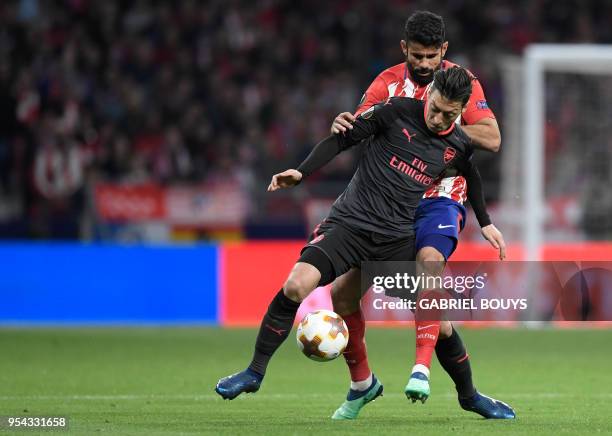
x: 277, y: 331
x: 408, y: 135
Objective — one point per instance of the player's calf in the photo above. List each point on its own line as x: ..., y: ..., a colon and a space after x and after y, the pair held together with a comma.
x: 277, y: 323
x: 454, y: 359
x: 346, y: 294
x: 355, y: 354
x: 427, y: 330
x: 273, y: 331
x: 430, y: 264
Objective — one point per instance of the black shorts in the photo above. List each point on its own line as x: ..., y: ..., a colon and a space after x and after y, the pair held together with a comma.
x: 346, y: 247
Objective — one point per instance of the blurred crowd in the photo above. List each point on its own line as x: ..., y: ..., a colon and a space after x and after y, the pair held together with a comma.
x: 189, y: 91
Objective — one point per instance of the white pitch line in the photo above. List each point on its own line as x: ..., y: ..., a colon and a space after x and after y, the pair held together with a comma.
x: 263, y: 396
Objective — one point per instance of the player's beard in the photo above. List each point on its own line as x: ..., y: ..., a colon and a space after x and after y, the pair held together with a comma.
x: 422, y: 76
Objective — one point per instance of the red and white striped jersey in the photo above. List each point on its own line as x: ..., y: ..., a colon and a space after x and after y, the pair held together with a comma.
x: 396, y: 82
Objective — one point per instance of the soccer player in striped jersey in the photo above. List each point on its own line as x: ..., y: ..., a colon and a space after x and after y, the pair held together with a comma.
x: 439, y: 219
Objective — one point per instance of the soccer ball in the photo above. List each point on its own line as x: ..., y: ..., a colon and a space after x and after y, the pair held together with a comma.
x: 322, y: 335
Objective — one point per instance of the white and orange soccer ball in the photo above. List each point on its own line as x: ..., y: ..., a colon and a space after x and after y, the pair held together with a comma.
x: 322, y: 335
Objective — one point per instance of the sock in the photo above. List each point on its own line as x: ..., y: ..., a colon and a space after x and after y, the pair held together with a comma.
x: 361, y: 385
x: 257, y: 375
x: 426, y: 337
x: 274, y: 329
x: 427, y: 329
x: 355, y: 353
x: 456, y: 362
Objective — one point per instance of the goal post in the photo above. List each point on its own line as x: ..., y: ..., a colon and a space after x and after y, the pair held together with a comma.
x: 540, y: 59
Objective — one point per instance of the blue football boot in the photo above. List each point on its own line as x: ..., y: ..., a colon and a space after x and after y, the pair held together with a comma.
x: 233, y: 385
x: 487, y: 407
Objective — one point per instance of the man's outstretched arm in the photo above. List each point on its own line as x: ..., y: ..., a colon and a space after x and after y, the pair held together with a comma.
x: 320, y: 155
x: 374, y: 120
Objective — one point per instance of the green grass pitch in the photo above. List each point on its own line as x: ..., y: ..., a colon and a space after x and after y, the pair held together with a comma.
x: 160, y: 381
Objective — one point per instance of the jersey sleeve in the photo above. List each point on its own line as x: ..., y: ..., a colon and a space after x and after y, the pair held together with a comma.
x: 320, y: 155
x: 374, y: 120
x: 475, y: 193
x: 376, y: 93
x: 477, y: 107
x: 371, y: 122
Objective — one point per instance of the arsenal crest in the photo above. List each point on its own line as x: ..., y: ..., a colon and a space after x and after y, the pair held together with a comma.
x: 449, y: 154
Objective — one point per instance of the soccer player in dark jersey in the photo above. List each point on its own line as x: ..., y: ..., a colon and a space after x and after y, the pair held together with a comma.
x: 412, y: 142
x: 438, y: 221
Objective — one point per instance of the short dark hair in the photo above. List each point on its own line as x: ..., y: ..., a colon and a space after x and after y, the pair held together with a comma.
x: 426, y: 28
x: 454, y: 84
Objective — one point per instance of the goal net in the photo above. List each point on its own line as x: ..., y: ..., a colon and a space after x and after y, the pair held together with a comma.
x: 557, y: 151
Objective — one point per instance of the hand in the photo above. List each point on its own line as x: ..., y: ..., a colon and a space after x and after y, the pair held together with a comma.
x: 342, y: 122
x: 495, y: 238
x: 286, y: 179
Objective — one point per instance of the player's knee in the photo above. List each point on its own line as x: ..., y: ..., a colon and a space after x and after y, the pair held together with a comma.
x: 296, y: 289
x: 446, y: 329
x: 431, y: 260
x: 429, y: 254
